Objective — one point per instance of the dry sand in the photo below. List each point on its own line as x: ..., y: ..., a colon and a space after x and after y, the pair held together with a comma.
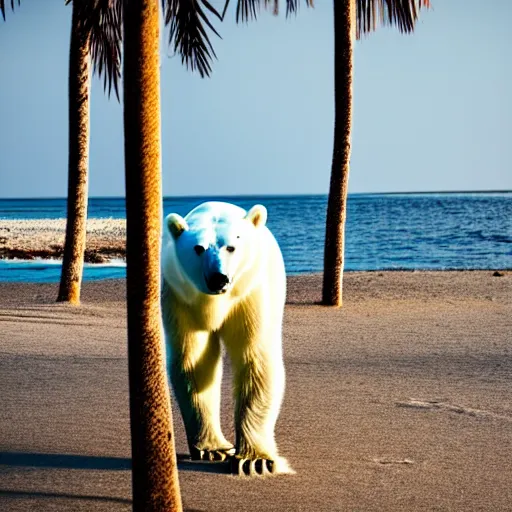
x: 402, y: 400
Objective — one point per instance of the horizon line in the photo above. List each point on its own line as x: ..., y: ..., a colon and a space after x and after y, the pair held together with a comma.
x: 429, y: 192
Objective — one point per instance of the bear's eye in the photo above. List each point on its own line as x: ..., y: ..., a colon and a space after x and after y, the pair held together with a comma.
x: 230, y: 248
x: 199, y: 249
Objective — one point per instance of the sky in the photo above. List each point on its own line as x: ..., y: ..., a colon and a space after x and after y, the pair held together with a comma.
x: 432, y: 111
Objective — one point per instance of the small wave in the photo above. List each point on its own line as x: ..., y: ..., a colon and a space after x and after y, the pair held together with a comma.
x: 41, y: 262
x: 490, y: 237
x: 116, y: 263
x: 36, y: 262
x: 500, y: 238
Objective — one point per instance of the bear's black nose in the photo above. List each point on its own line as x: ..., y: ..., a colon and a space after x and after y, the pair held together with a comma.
x: 217, y: 281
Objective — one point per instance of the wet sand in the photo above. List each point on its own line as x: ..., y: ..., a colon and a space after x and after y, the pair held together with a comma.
x: 399, y: 401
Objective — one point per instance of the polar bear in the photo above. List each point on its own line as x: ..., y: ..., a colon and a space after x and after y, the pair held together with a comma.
x: 224, y: 280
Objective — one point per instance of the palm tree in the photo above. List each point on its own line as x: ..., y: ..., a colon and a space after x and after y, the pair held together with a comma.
x: 154, y: 467
x: 154, y: 473
x: 96, y: 33
x: 351, y: 17
x: 79, y: 86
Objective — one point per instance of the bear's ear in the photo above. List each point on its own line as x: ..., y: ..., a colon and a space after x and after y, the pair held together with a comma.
x: 257, y: 215
x: 176, y: 224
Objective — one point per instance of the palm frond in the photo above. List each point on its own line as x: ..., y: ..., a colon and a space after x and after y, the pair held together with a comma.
x: 106, y: 39
x: 401, y: 13
x: 247, y: 10
x: 188, y: 22
x: 292, y: 6
x: 102, y: 19
x: 2, y: 7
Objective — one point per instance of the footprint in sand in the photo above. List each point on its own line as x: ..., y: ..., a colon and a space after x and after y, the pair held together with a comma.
x: 385, y: 461
x: 413, y: 403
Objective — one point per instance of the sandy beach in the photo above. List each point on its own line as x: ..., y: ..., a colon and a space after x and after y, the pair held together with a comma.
x: 399, y: 401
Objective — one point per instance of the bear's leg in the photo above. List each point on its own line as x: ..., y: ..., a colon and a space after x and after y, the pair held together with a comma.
x: 195, y: 369
x: 259, y: 382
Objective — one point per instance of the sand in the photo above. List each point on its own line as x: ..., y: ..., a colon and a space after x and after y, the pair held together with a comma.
x: 402, y: 400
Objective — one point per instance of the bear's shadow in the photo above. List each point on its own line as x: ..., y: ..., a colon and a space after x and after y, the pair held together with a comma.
x: 54, y: 460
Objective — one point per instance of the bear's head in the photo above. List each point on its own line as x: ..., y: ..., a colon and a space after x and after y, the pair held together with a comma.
x: 216, y: 243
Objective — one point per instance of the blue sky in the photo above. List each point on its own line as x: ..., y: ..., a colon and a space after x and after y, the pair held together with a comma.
x: 432, y: 111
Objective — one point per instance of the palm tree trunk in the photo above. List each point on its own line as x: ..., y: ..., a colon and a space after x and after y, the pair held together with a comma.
x: 78, y: 162
x: 154, y: 473
x: 344, y: 23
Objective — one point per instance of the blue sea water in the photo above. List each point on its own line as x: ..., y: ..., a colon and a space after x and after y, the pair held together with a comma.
x: 446, y: 231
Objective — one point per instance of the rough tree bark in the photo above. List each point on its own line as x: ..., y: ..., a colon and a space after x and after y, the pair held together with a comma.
x: 344, y: 30
x: 78, y: 162
x: 154, y: 473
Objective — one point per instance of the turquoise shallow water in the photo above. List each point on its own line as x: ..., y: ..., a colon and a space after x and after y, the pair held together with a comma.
x: 384, y: 231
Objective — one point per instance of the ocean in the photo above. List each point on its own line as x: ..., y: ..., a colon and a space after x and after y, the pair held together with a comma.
x: 434, y: 231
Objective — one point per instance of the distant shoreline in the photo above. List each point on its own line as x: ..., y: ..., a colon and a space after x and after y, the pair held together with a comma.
x: 55, y: 253
x: 249, y: 196
x: 29, y: 239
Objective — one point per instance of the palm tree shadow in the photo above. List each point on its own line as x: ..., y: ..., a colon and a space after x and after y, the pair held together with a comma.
x: 203, y: 466
x: 90, y: 462
x: 55, y: 495
x: 54, y: 460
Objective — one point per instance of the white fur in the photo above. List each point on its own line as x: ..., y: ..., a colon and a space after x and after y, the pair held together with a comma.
x: 246, y: 316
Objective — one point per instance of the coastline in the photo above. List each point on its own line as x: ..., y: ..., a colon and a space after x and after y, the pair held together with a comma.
x: 400, y: 400
x: 305, y: 289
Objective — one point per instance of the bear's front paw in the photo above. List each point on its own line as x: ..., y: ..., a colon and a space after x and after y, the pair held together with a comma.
x: 252, y: 467
x: 259, y: 466
x: 217, y: 455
